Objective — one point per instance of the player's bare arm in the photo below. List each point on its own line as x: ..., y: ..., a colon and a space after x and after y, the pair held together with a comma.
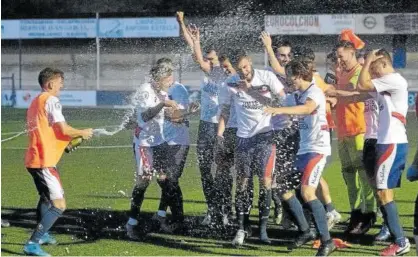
x: 305, y: 109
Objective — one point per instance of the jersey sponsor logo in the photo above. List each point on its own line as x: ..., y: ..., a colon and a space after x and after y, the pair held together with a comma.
x: 58, y: 105
x: 142, y: 96
x: 253, y: 105
x: 315, y: 174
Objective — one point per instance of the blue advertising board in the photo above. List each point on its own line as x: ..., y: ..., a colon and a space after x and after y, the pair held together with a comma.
x: 90, y: 28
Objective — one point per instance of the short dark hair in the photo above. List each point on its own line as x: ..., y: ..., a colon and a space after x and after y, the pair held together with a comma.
x: 303, y: 53
x: 345, y: 44
x: 300, y: 68
x: 210, y: 48
x: 164, y: 60
x: 332, y: 56
x: 49, y: 73
x: 237, y: 55
x: 277, y: 43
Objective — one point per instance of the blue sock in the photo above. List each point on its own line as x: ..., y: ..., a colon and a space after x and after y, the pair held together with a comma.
x: 46, y: 223
x: 297, y: 211
x: 43, y: 207
x: 392, y: 220
x: 329, y: 207
x: 320, y: 219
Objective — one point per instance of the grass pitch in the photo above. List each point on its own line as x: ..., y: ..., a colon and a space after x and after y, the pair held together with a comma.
x: 98, y: 180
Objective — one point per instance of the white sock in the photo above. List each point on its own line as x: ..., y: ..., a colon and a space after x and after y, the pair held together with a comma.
x: 162, y: 214
x: 132, y: 222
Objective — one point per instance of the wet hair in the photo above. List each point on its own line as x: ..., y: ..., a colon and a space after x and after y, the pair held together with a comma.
x: 48, y: 74
x: 301, y: 69
x: 332, y: 56
x: 345, y: 44
x: 161, y: 70
x: 210, y: 48
x: 237, y: 55
x: 164, y: 60
x: 303, y: 53
x: 277, y: 43
x: 361, y: 53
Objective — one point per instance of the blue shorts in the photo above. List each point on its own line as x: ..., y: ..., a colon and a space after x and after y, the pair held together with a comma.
x: 255, y: 156
x: 391, y: 160
x: 311, y: 166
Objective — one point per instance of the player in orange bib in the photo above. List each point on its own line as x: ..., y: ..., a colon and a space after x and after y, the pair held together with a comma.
x: 351, y: 127
x: 49, y: 134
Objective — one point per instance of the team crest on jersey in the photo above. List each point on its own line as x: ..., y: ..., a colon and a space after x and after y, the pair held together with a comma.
x: 58, y: 105
x: 142, y: 96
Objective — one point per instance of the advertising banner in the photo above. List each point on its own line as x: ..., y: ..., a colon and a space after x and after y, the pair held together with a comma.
x: 332, y: 24
x: 138, y: 28
x: 67, y: 98
x: 58, y: 28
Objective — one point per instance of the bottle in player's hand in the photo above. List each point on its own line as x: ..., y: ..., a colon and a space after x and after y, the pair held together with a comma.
x: 74, y: 143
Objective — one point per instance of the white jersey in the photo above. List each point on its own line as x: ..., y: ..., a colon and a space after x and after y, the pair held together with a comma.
x: 392, y: 98
x: 280, y: 122
x: 209, y: 92
x: 224, y: 99
x: 314, y: 132
x: 251, y: 119
x: 53, y: 109
x: 371, y: 113
x: 175, y: 133
x: 151, y: 132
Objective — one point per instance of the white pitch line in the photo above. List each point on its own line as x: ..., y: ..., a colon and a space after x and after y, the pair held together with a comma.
x: 82, y: 147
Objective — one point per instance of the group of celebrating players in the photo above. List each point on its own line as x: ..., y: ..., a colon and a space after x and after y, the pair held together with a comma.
x: 274, y: 123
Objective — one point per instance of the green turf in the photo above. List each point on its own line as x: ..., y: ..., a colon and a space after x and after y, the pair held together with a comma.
x: 94, y: 179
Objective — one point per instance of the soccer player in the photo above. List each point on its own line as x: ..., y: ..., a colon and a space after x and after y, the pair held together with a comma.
x: 314, y: 142
x: 214, y: 76
x: 224, y: 155
x: 254, y: 151
x: 350, y: 131
x: 392, y: 143
x: 176, y: 134
x: 150, y: 148
x: 286, y: 133
x: 49, y: 134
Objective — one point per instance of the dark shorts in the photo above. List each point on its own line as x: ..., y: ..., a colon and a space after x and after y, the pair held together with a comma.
x: 369, y: 159
x: 176, y: 155
x: 226, y: 155
x: 206, y: 137
x: 416, y: 218
x: 255, y: 156
x: 47, y: 182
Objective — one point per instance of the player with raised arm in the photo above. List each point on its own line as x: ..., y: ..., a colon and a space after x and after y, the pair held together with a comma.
x: 49, y: 134
x: 350, y: 131
x: 255, y: 154
x: 150, y: 147
x: 392, y: 143
x: 314, y: 143
x: 214, y: 76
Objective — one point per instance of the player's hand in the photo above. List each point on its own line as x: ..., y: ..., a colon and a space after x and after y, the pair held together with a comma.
x: 171, y: 104
x: 371, y: 57
x: 265, y: 37
x: 87, y: 133
x: 194, y: 32
x: 333, y: 101
x: 244, y: 85
x: 180, y: 16
x: 194, y: 107
x: 273, y: 111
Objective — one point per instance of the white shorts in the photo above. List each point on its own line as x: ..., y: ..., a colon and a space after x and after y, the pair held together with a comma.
x: 47, y: 182
x: 311, y: 165
x: 150, y: 159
